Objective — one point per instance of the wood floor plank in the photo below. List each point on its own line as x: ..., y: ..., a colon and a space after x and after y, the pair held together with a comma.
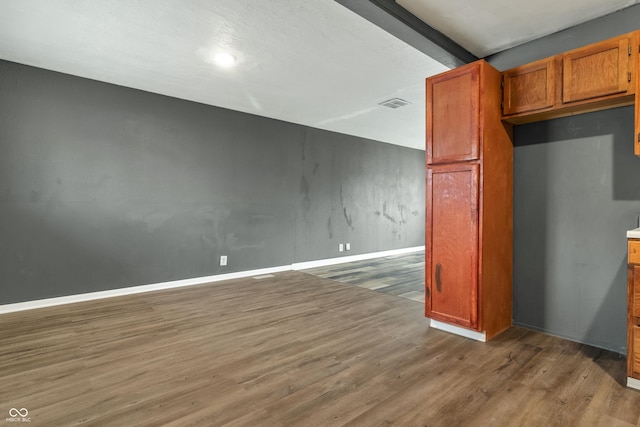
x: 294, y: 350
x: 399, y: 275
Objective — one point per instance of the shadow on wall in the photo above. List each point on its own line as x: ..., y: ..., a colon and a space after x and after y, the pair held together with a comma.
x: 610, y: 316
x: 626, y: 166
x: 529, y: 232
x: 603, y: 325
x: 576, y: 192
x: 616, y: 123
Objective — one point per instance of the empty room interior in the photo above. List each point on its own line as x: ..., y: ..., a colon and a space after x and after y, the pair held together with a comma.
x: 320, y: 213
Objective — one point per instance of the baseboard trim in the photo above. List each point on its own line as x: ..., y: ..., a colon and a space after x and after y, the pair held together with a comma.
x: 91, y: 296
x: 467, y: 333
x: 633, y: 383
x: 351, y: 258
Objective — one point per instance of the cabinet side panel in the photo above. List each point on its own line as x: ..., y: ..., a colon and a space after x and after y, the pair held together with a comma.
x: 636, y: 143
x: 634, y: 306
x: 635, y: 70
x: 496, y: 229
x: 631, y: 349
x: 453, y: 224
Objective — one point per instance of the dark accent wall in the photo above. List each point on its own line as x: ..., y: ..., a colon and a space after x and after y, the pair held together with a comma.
x: 104, y: 187
x: 576, y: 193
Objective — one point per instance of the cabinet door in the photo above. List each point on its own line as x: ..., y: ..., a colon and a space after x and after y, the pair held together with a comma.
x: 633, y: 353
x: 598, y: 70
x: 633, y: 251
x: 529, y: 87
x: 453, y: 109
x: 451, y: 288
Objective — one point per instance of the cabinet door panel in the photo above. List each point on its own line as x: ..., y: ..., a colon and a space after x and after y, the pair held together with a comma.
x: 453, y: 105
x: 451, y: 289
x: 598, y: 70
x: 529, y: 87
x: 633, y: 251
x: 634, y: 352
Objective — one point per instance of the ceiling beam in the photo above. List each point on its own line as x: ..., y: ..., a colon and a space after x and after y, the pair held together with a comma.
x: 398, y: 21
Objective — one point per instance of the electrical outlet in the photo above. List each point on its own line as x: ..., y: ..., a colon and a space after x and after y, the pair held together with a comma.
x: 223, y: 260
x: 347, y: 246
x: 340, y: 247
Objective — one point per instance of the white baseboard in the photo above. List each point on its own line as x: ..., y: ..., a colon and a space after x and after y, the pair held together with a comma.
x: 90, y: 296
x: 633, y: 383
x: 51, y: 302
x: 478, y: 336
x: 352, y: 258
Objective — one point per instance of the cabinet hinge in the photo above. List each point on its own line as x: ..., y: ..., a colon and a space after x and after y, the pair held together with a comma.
x: 629, y: 50
x: 629, y: 76
x: 502, y: 84
x: 639, y: 137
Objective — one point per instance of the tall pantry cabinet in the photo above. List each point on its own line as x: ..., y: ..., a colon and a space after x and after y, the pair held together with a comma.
x: 469, y: 154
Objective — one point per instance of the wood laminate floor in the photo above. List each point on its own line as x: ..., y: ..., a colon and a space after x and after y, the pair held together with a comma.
x: 293, y: 350
x: 399, y: 275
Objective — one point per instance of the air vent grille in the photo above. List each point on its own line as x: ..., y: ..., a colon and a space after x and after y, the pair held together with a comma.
x: 394, y: 103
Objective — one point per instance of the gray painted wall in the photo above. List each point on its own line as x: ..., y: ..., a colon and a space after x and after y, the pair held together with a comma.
x: 104, y: 187
x: 576, y: 193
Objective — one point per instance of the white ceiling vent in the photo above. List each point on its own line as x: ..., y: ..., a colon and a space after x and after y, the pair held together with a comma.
x: 394, y: 103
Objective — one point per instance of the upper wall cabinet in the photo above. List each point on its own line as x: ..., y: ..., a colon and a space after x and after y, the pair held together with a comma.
x: 529, y: 87
x: 599, y: 76
x: 600, y: 69
x: 453, y: 106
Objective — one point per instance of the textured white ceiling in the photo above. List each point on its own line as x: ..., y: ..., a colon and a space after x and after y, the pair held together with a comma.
x: 489, y: 26
x: 312, y: 62
x: 309, y: 62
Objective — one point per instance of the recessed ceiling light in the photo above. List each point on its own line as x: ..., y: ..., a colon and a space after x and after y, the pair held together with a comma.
x: 224, y: 59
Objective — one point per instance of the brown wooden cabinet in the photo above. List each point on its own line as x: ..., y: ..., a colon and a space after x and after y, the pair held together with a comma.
x: 452, y: 233
x: 530, y: 87
x: 453, y: 95
x: 598, y: 70
x: 595, y: 77
x: 633, y: 311
x: 469, y: 201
